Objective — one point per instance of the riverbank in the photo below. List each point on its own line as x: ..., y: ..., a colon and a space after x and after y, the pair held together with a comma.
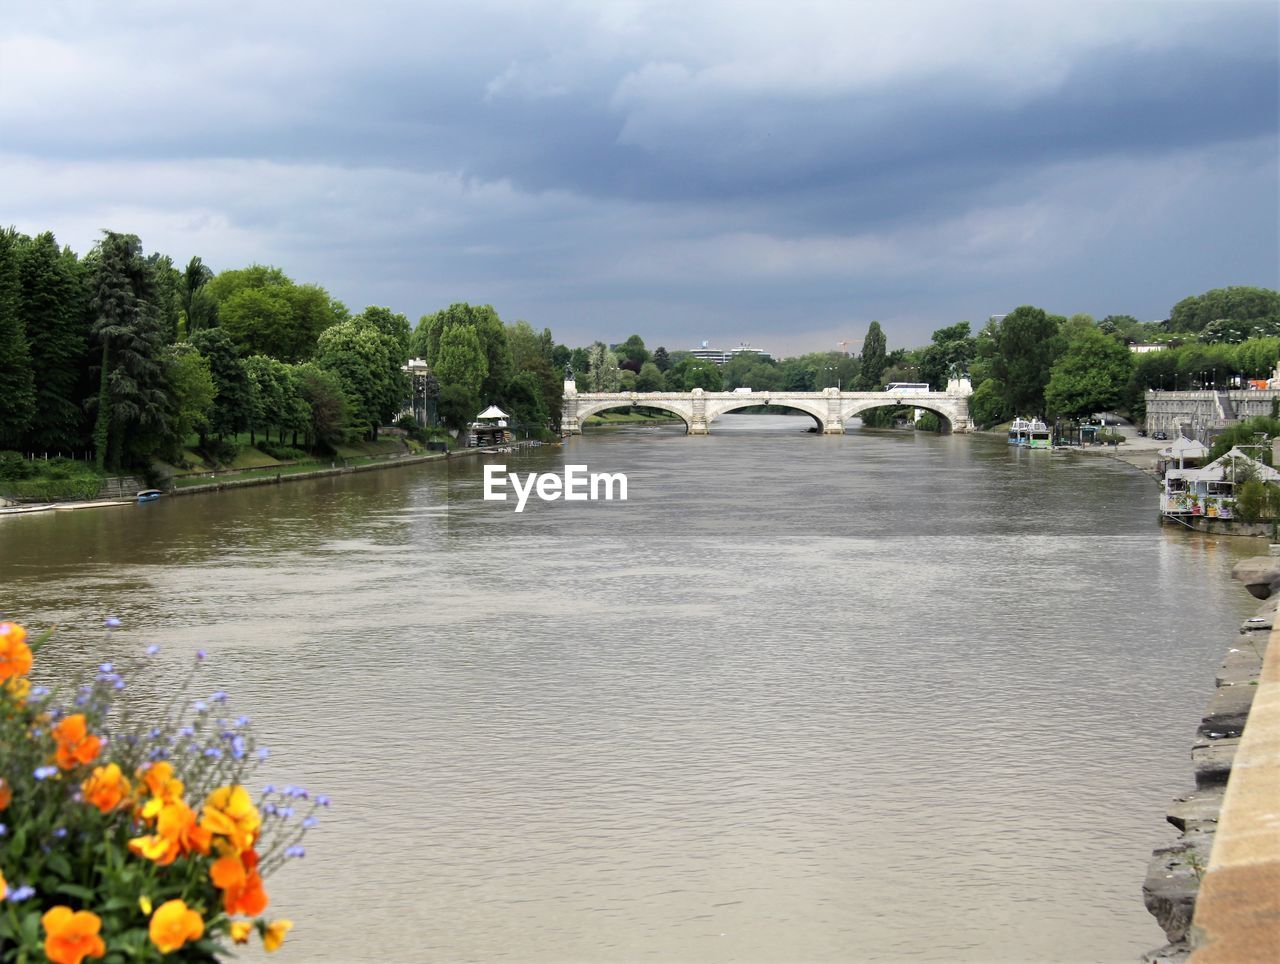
x: 1214, y: 890
x: 284, y: 473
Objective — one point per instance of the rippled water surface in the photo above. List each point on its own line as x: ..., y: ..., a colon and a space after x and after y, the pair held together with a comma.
x: 866, y: 698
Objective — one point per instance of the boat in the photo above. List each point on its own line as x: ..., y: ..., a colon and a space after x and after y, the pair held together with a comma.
x: 1030, y: 434
x: 149, y: 495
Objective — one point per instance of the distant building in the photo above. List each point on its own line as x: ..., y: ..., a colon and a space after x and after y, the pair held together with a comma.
x: 997, y: 318
x: 718, y: 356
x: 1143, y: 347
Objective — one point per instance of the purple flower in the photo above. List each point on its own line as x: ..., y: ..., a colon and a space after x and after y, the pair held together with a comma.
x: 152, y: 649
x: 201, y: 706
x: 322, y: 800
x: 237, y: 747
x: 111, y: 622
x: 263, y: 753
x: 3, y: 830
x: 295, y: 852
x: 268, y: 808
x: 200, y: 655
x: 106, y: 668
x: 213, y: 753
x: 60, y: 832
x: 19, y: 894
x: 38, y: 691
x: 186, y: 731
x: 243, y: 721
x: 309, y: 823
x: 219, y: 697
x: 44, y: 773
x: 269, y: 788
x: 285, y: 812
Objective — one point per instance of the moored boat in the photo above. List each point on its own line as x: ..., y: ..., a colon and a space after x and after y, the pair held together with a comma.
x: 1030, y: 433
x: 149, y: 495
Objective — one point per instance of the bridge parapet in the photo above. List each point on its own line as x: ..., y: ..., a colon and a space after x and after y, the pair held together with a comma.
x: 831, y: 408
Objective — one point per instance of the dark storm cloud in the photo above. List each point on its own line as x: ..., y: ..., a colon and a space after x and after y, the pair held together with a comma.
x: 609, y: 167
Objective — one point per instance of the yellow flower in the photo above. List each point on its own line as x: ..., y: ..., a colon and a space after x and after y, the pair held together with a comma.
x: 230, y: 812
x: 173, y: 924
x: 240, y: 931
x: 4, y: 888
x: 144, y: 904
x: 274, y: 935
x: 19, y: 687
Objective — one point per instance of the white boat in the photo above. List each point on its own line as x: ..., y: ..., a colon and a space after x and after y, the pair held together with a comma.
x: 1030, y: 433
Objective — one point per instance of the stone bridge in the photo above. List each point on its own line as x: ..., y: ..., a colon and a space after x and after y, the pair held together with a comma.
x: 830, y: 408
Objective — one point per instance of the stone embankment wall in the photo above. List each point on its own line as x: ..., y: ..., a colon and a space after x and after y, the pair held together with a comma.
x: 1200, y: 411
x: 1213, y: 818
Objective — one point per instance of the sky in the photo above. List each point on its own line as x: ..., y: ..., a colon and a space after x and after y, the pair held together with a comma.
x: 770, y: 173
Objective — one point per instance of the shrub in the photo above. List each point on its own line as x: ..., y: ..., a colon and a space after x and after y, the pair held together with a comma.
x: 131, y: 838
x: 220, y: 451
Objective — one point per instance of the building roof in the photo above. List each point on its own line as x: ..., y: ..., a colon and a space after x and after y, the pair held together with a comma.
x: 1218, y: 469
x: 1185, y: 448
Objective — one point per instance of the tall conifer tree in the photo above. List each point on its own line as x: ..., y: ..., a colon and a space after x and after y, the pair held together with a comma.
x: 17, y: 381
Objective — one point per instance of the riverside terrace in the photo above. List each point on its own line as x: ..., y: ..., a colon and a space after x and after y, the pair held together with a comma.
x: 830, y: 408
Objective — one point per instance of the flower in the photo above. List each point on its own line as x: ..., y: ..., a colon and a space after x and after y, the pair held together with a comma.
x: 111, y: 622
x: 6, y: 794
x: 274, y: 935
x: 4, y: 888
x: 230, y: 812
x: 177, y: 834
x: 173, y: 924
x: 19, y: 687
x: 236, y: 875
x: 19, y: 894
x: 106, y: 788
x: 144, y: 905
x: 75, y: 744
x: 240, y: 931
x: 71, y: 936
x: 44, y: 773
x: 15, y: 654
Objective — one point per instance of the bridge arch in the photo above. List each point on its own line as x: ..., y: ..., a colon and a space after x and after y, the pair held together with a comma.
x: 638, y: 401
x: 718, y: 408
x: 943, y: 411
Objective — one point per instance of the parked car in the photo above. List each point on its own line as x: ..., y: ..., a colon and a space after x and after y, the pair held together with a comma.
x: 1160, y: 436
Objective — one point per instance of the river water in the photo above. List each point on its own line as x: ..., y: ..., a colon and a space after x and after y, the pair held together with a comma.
x: 879, y: 697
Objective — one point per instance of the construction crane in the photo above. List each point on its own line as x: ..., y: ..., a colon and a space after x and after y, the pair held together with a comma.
x: 844, y: 345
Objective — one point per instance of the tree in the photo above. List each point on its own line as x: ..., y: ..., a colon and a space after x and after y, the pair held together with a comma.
x: 703, y: 374
x: 1026, y: 346
x: 54, y: 314
x: 661, y: 358
x: 524, y: 397
x: 633, y: 350
x: 457, y: 406
x: 327, y: 406
x: 362, y: 357
x: 488, y: 329
x: 232, y: 407
x: 269, y: 394
x: 191, y: 391
x: 873, y: 359
x: 604, y: 374
x: 131, y: 406
x: 195, y: 276
x: 392, y: 325
x: 952, y: 349
x: 1091, y: 375
x: 649, y: 379
x: 461, y: 362
x: 267, y: 314
x: 1245, y: 306
x: 987, y: 405
x: 17, y: 380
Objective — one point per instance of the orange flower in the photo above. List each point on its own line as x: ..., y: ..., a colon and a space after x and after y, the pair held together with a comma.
x: 274, y: 936
x: 177, y: 833
x: 6, y: 795
x: 240, y: 931
x: 15, y: 654
x: 75, y: 744
x: 230, y: 812
x: 173, y: 924
x: 106, y: 788
x: 4, y: 888
x: 70, y: 936
x: 19, y: 687
x: 236, y: 875
x: 159, y: 781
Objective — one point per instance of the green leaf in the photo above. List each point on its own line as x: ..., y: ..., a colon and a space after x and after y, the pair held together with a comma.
x: 75, y: 890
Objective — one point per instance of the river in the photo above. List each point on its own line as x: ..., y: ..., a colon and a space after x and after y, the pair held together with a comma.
x: 879, y: 697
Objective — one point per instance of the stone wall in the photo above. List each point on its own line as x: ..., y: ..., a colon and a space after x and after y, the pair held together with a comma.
x: 1175, y: 874
x: 1199, y: 412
